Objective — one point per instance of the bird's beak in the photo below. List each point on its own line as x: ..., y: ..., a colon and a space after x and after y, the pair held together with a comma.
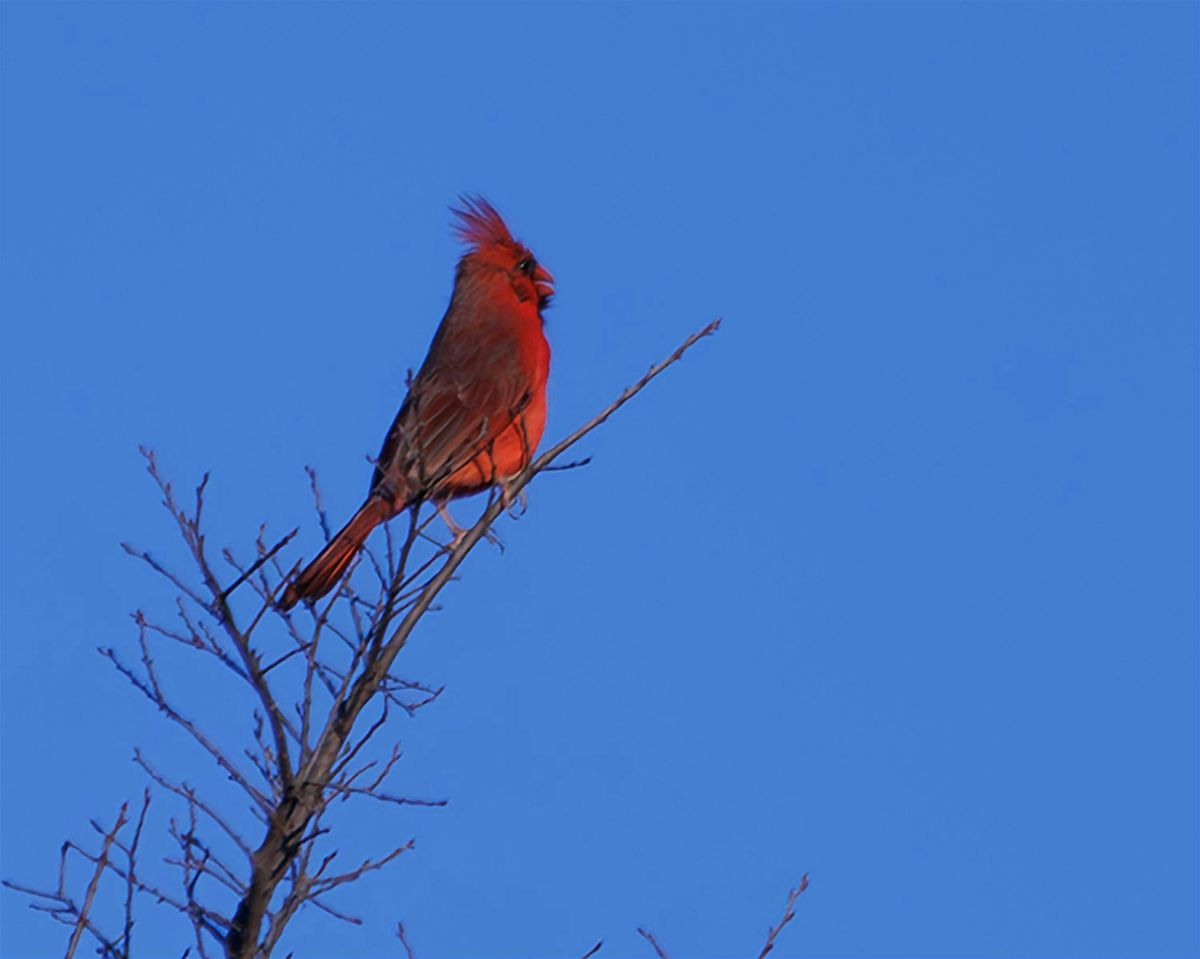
x: 542, y: 275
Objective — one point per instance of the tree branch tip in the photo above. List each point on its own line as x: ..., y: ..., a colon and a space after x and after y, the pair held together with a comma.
x: 649, y: 937
x: 574, y: 464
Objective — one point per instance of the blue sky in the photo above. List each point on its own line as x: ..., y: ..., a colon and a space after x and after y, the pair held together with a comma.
x: 894, y: 581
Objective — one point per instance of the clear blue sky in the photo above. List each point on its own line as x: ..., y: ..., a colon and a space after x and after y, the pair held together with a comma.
x: 893, y: 582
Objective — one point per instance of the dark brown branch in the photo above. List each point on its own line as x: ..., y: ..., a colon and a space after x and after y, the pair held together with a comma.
x: 320, y: 886
x: 318, y: 502
x: 649, y: 937
x: 386, y: 797
x: 400, y: 934
x: 789, y: 913
x: 345, y: 917
x: 258, y: 564
x: 562, y: 468
x: 131, y: 865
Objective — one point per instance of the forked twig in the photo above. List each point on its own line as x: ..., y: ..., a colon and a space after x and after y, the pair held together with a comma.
x: 101, y: 865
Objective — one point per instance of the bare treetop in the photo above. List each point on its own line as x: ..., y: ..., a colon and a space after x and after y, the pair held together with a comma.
x: 319, y: 688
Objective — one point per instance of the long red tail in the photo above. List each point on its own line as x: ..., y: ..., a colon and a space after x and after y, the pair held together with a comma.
x: 324, y: 572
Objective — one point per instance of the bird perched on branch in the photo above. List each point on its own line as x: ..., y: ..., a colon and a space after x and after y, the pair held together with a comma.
x: 475, y: 412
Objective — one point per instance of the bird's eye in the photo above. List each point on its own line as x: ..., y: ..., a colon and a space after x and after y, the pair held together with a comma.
x: 527, y: 265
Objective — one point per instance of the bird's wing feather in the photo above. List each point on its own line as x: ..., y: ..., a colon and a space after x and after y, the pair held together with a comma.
x: 470, y: 389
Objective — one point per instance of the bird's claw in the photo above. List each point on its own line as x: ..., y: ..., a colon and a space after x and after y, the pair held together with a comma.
x: 514, y: 507
x: 458, y: 534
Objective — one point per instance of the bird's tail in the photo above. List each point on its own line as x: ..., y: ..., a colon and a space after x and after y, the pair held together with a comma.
x: 324, y: 572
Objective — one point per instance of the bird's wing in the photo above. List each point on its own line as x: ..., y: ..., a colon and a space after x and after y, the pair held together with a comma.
x: 469, y: 390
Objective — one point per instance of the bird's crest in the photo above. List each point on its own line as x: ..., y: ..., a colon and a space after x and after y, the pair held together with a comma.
x: 479, y: 224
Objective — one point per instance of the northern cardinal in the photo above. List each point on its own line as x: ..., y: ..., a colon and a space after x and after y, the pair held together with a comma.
x: 476, y: 410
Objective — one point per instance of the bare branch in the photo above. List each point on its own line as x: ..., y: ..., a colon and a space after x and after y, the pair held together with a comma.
x: 318, y: 502
x: 630, y: 392
x: 258, y: 564
x: 345, y: 917
x: 101, y: 864
x: 563, y: 467
x: 649, y: 937
x: 163, y: 571
x: 369, y: 865
x: 789, y: 913
x: 408, y: 951
x: 131, y: 863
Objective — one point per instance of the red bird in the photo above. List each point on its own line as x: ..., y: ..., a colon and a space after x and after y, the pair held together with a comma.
x: 476, y: 410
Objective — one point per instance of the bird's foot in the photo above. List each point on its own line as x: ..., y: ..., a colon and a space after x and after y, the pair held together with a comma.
x: 458, y: 534
x: 515, y: 506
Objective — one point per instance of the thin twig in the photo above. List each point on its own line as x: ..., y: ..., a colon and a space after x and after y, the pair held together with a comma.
x: 789, y: 913
x: 151, y: 689
x: 562, y: 468
x: 630, y: 392
x: 402, y: 936
x: 257, y: 565
x: 101, y: 865
x: 649, y: 937
x: 131, y: 859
